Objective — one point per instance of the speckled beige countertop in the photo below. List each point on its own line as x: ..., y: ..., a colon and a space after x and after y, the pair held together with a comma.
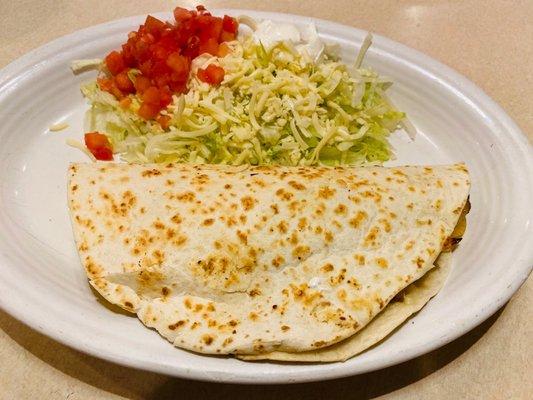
x: 489, y: 41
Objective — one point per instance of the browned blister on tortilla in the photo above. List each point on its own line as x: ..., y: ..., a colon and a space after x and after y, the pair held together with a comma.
x: 227, y: 260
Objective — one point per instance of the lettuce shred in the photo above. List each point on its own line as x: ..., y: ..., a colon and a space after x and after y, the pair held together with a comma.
x: 274, y: 106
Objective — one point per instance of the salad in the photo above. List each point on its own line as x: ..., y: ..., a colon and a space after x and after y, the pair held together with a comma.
x: 207, y: 89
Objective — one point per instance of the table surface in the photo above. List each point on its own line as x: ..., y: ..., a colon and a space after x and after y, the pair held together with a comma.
x: 490, y: 42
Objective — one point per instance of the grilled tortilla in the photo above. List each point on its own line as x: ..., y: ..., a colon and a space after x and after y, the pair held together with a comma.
x: 406, y: 303
x: 232, y: 260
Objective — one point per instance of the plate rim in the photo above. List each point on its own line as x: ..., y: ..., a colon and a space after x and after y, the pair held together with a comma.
x: 452, y: 80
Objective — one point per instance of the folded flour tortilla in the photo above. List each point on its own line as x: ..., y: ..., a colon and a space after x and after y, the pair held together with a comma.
x: 256, y: 260
x: 410, y: 301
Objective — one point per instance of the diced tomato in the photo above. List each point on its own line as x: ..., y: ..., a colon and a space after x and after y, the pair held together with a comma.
x: 115, y: 62
x: 151, y: 95
x: 105, y: 84
x: 226, y: 36
x: 108, y: 85
x: 213, y: 74
x: 146, y: 67
x: 210, y: 46
x: 99, y: 145
x: 165, y: 97
x: 230, y: 24
x: 178, y: 87
x: 193, y: 44
x: 154, y: 25
x: 223, y: 50
x: 141, y: 83
x: 182, y: 14
x: 148, y: 111
x: 179, y: 64
x: 124, y: 83
x: 209, y: 27
x: 127, y: 54
x: 202, y: 75
x: 163, y: 53
x: 164, y: 121
x: 125, y: 102
x: 162, y: 80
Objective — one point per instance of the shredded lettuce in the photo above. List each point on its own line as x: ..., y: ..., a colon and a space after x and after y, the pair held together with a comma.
x: 274, y: 106
x: 78, y: 66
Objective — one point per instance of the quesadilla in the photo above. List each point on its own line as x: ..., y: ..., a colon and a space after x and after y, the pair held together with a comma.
x: 256, y: 260
x: 406, y: 303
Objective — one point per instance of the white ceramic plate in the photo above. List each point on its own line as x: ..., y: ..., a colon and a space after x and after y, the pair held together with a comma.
x: 43, y: 284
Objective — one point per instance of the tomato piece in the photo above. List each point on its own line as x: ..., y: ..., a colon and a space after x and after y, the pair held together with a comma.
x: 179, y: 64
x: 125, y: 102
x: 216, y: 28
x: 202, y: 75
x: 108, y: 85
x: 226, y: 36
x: 165, y: 97
x: 127, y: 54
x: 223, y: 50
x: 115, y: 62
x: 151, y: 95
x: 142, y: 83
x: 162, y: 80
x: 99, y: 145
x: 182, y: 14
x: 164, y: 121
x: 160, y: 51
x: 124, y: 83
x: 148, y: 111
x: 213, y: 74
x: 146, y: 67
x: 191, y: 49
x: 230, y: 24
x: 159, y: 67
x: 210, y: 46
x: 209, y: 27
x: 105, y: 84
x: 154, y: 25
x: 163, y: 53
x: 178, y: 87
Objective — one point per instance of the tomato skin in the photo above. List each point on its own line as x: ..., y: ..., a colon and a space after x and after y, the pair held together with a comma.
x: 180, y: 65
x: 213, y: 74
x: 202, y: 75
x: 123, y: 82
x: 148, y: 111
x: 165, y: 97
x: 109, y: 85
x: 182, y: 14
x: 230, y: 24
x: 151, y: 95
x: 115, y: 62
x: 125, y: 102
x: 142, y: 83
x: 210, y: 46
x: 164, y: 121
x: 209, y: 27
x: 193, y: 45
x: 99, y: 145
x: 154, y: 25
